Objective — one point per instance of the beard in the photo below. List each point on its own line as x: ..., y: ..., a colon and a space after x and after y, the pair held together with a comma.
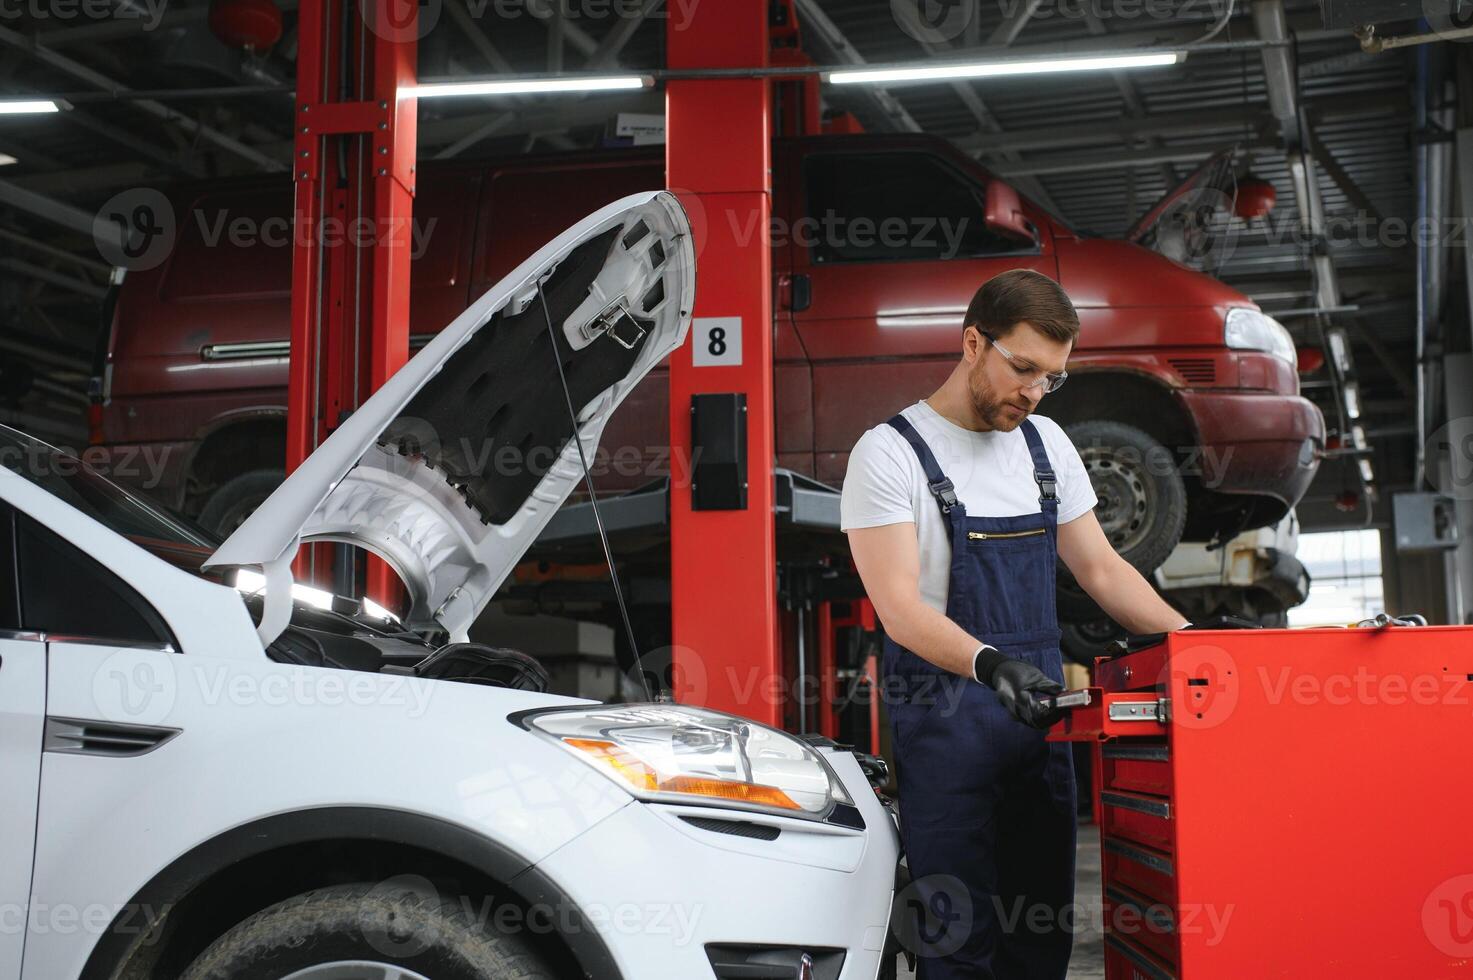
x: 990, y: 407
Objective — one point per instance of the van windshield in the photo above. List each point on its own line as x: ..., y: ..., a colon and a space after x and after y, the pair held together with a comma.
x: 64, y: 475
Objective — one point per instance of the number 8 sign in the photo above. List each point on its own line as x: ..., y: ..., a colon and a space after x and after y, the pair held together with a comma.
x: 717, y: 340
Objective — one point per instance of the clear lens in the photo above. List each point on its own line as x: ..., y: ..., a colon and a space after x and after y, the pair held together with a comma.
x: 679, y: 753
x: 1247, y: 329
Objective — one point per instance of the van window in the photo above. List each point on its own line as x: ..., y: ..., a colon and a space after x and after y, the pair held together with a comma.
x: 866, y: 207
x: 65, y: 591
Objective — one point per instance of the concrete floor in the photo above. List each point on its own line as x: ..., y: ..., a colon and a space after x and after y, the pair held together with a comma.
x: 1088, y: 961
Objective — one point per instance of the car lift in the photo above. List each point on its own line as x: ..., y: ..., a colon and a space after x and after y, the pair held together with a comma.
x: 353, y: 167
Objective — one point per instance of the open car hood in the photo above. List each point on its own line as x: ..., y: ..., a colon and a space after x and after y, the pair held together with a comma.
x: 451, y: 469
x: 1210, y: 187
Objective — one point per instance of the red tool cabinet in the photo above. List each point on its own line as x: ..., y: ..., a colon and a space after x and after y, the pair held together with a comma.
x: 1286, y: 803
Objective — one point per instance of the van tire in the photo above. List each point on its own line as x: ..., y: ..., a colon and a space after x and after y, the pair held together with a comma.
x: 402, y: 922
x: 235, y: 500
x: 1142, y: 502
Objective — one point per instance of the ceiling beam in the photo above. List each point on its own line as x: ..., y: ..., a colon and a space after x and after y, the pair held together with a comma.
x: 819, y: 27
x: 96, y: 79
x: 59, y: 213
x: 1076, y: 163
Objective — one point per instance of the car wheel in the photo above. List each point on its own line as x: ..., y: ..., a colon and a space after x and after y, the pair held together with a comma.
x: 236, y: 499
x: 1142, y: 502
x: 1083, y: 642
x: 399, y: 929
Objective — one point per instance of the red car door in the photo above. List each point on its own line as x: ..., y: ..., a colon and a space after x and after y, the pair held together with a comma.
x: 893, y: 243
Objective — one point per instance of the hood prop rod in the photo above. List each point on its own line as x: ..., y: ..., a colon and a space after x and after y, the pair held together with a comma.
x: 598, y: 520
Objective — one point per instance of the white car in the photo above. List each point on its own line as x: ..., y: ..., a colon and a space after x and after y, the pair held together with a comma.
x: 211, y: 772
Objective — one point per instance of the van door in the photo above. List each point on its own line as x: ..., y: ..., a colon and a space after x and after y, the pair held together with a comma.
x: 894, y: 245
x: 22, y: 708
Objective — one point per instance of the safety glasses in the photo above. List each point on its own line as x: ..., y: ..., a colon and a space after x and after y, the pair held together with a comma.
x: 1050, y: 381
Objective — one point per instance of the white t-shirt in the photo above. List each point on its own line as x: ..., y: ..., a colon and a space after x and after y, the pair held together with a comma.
x: 992, y: 473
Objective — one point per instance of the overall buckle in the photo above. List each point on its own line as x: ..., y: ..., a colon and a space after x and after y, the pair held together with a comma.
x: 1047, y: 484
x: 945, y: 492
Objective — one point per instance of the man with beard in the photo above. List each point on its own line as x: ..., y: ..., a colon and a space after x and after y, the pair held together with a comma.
x: 957, y: 510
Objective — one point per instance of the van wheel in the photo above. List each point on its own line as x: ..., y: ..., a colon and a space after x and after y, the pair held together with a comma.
x: 237, y: 498
x: 1083, y: 642
x: 399, y: 929
x: 1142, y: 502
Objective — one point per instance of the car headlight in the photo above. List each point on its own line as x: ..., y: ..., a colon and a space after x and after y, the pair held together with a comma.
x: 1247, y: 329
x: 683, y: 754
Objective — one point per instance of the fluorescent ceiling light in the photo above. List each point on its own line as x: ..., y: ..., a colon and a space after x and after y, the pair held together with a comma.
x: 20, y: 106
x: 991, y: 68
x: 530, y: 86
x: 6, y: 160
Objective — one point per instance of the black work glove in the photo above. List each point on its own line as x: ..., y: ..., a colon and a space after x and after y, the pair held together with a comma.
x: 1018, y: 685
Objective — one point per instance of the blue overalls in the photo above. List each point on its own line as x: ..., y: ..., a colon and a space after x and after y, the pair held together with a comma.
x: 987, y: 807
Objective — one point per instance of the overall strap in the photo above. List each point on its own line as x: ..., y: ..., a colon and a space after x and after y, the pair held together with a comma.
x: 941, y: 488
x: 1043, y: 470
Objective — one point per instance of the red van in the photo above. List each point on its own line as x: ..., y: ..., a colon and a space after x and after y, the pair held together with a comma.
x: 1183, y: 398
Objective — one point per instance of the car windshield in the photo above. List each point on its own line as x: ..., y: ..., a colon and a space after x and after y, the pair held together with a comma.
x: 67, y: 477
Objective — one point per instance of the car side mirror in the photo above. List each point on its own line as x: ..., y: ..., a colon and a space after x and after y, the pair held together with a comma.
x: 1004, y: 215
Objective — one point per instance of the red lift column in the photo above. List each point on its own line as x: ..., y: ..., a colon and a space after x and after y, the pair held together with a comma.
x: 723, y: 562
x: 354, y: 170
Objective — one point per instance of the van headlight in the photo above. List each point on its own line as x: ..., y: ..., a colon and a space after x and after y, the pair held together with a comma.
x: 1247, y: 329
x: 683, y: 754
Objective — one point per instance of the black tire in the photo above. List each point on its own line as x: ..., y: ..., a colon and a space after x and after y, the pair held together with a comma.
x: 1083, y: 642
x: 1142, y: 502
x: 235, y: 500
x: 401, y: 923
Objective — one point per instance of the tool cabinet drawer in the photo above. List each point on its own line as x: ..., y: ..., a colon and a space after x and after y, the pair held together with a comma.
x: 1142, y: 920
x: 1126, y: 960
x: 1137, y: 766
x: 1139, y: 867
x: 1139, y: 817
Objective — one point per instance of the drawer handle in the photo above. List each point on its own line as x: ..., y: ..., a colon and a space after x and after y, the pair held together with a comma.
x: 1139, y: 753
x: 1158, y: 914
x: 1139, y: 856
x: 1145, y: 965
x: 1140, y: 804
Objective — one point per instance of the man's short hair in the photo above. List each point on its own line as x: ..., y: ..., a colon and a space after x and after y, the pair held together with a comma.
x: 1011, y: 297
